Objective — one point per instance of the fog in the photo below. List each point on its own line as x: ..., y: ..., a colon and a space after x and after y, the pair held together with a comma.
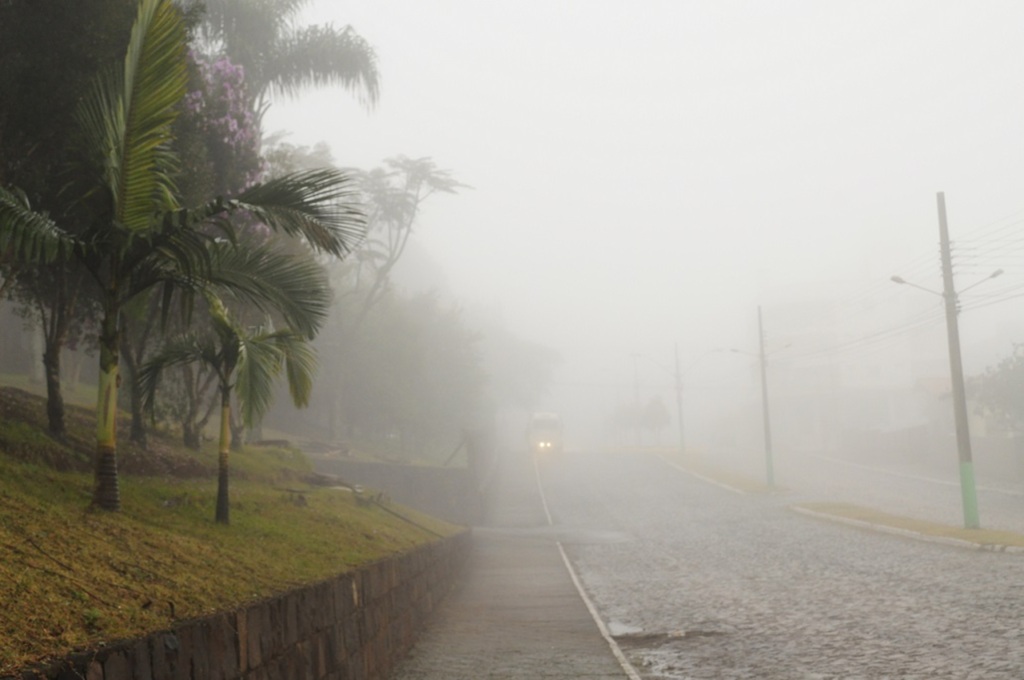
x: 645, y: 175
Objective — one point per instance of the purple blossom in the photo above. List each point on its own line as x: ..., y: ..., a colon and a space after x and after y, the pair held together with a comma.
x: 225, y: 112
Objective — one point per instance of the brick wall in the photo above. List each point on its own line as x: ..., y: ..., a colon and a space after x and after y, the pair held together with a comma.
x: 352, y: 627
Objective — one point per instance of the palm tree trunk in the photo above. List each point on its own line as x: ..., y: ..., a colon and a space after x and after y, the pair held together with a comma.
x: 106, y: 494
x: 222, y: 459
x: 56, y: 317
x: 54, y: 396
x: 131, y: 363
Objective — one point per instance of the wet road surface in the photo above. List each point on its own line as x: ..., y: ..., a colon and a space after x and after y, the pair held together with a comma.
x: 704, y: 583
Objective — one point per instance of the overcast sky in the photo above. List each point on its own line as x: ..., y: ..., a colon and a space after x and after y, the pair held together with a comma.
x: 647, y: 173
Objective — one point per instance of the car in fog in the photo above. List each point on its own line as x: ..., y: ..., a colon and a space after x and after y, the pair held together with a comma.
x: 545, y: 433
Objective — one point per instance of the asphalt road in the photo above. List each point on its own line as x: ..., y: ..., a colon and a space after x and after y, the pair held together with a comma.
x: 698, y: 582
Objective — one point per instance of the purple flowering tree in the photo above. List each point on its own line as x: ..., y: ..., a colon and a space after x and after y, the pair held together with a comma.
x: 220, y: 128
x: 218, y: 137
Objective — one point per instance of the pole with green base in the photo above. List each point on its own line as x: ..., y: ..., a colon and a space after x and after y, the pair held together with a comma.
x: 956, y: 369
x: 970, y: 497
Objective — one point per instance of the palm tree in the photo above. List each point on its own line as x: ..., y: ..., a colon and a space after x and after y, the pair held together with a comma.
x: 141, y: 238
x: 247, y: 361
x: 26, y: 236
x: 280, y: 58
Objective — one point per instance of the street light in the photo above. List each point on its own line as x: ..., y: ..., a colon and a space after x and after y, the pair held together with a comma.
x: 956, y: 370
x: 763, y: 360
x: 636, y: 401
x: 679, y: 402
x: 968, y: 492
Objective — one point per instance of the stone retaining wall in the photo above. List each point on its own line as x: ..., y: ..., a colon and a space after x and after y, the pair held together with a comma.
x: 353, y: 627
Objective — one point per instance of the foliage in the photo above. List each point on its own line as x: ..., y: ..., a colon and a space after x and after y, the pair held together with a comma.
x: 49, y: 52
x: 218, y: 132
x: 139, y: 236
x: 408, y: 383
x: 394, y: 195
x: 282, y: 57
x: 244, y: 358
x: 27, y: 236
x: 1000, y: 390
x: 282, y: 157
x: 62, y: 302
x: 246, y: 361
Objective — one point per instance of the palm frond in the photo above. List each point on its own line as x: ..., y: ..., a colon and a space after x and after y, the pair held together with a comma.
x: 184, y: 349
x: 260, y: 360
x: 244, y: 29
x: 300, y: 365
x: 175, y: 246
x: 155, y: 78
x: 319, y: 205
x: 26, y: 235
x: 128, y: 114
x: 324, y: 55
x: 178, y: 259
x: 296, y: 287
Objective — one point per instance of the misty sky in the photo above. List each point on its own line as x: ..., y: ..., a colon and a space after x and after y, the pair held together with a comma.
x: 647, y: 173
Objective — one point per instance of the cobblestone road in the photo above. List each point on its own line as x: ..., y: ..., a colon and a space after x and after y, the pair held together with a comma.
x: 703, y: 583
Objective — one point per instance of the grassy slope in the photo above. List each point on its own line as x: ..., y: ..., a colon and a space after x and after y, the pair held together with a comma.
x: 71, y: 577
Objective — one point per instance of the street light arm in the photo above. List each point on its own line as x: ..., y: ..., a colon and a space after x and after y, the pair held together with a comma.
x: 903, y: 282
x: 993, y: 275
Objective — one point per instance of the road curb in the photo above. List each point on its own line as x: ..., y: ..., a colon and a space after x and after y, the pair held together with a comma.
x: 907, y: 533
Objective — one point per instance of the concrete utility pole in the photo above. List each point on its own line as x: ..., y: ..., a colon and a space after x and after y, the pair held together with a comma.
x: 679, y: 403
x: 770, y: 470
x: 636, y: 401
x: 956, y: 370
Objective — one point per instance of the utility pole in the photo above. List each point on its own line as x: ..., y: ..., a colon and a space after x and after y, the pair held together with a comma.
x: 679, y: 404
x: 764, y: 405
x: 636, y: 402
x: 956, y: 369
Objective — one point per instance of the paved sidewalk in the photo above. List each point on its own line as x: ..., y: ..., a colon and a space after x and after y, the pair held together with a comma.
x: 518, y: 614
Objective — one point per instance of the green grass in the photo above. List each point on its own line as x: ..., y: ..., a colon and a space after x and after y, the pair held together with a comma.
x: 72, y: 577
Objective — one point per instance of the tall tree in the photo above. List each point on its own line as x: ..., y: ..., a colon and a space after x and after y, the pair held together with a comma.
x: 49, y: 51
x: 247, y: 361
x: 141, y: 237
x: 282, y: 58
x: 217, y: 137
x: 61, y: 299
x: 394, y: 195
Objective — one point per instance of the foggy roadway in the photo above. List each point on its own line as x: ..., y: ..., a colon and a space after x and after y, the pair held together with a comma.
x: 703, y: 583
